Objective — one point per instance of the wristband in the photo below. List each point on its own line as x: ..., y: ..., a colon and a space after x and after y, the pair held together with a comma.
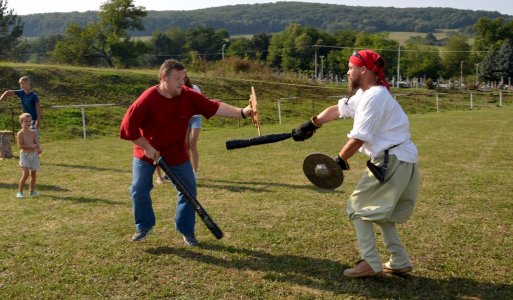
x: 242, y: 113
x: 313, y: 122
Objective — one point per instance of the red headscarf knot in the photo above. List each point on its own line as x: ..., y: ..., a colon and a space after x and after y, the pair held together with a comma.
x: 369, y: 59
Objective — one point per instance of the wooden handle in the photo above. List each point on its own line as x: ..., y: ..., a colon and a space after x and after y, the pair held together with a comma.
x: 254, y: 105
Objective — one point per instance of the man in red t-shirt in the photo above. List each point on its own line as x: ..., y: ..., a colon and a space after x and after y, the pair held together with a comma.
x: 157, y: 125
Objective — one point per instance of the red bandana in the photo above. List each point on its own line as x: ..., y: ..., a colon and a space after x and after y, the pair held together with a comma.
x: 367, y: 58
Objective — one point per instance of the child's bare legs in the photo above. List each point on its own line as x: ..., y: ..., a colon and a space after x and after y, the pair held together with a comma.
x: 23, y: 178
x: 193, y: 147
x: 32, y: 180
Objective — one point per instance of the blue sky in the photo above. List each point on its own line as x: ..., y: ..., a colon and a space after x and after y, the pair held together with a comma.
x: 25, y: 7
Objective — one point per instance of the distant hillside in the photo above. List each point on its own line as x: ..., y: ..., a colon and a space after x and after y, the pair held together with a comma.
x: 274, y: 17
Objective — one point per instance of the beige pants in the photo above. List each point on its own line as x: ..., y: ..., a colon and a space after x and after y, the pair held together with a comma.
x: 367, y: 243
x: 384, y: 203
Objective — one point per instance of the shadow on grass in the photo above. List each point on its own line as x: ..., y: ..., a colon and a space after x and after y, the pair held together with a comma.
x: 324, y: 274
x: 40, y: 187
x: 91, y: 168
x: 254, y: 186
x: 83, y: 199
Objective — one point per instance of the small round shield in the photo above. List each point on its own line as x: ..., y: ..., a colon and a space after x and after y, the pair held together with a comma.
x: 323, y: 171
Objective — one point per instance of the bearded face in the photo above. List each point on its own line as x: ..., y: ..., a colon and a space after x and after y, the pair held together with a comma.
x: 354, y: 76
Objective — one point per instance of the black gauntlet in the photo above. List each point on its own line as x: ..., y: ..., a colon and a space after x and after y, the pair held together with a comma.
x: 342, y: 163
x: 305, y: 131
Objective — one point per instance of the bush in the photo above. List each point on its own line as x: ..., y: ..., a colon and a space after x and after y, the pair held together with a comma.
x: 430, y: 84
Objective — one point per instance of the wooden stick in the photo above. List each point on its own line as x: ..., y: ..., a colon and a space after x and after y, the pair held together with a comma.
x: 254, y: 105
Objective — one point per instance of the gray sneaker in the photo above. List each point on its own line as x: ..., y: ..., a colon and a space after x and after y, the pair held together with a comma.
x: 190, y: 240
x: 141, y: 235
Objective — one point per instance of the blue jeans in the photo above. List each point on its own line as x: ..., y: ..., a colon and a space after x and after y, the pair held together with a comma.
x: 142, y: 184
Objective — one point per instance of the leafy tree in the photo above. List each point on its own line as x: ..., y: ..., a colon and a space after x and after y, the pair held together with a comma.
x: 295, y: 48
x: 336, y: 63
x: 36, y: 50
x: 112, y: 40
x: 76, y: 46
x: 106, y: 42
x: 275, y: 50
x: 282, y: 51
x: 11, y: 29
x: 419, y: 60
x: 344, y: 46
x: 206, y: 42
x: 491, y: 33
x: 498, y: 64
x: 167, y: 45
x: 259, y: 44
x: 456, y: 57
x: 431, y: 40
x: 239, y: 47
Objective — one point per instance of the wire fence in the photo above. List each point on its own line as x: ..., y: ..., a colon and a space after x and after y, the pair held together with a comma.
x: 88, y: 120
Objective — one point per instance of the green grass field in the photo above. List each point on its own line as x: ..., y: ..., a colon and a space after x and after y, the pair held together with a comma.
x: 284, y: 238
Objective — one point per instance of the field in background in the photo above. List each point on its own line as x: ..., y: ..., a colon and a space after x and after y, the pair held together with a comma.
x: 285, y: 239
x: 403, y: 36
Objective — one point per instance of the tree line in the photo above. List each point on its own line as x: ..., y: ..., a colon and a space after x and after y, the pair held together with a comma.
x: 298, y: 48
x: 275, y: 17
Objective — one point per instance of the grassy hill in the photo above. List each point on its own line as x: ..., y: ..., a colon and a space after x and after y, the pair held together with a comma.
x: 297, y: 99
x: 64, y: 85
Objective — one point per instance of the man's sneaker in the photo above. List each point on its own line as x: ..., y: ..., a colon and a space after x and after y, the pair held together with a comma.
x: 190, y: 240
x: 166, y: 178
x: 19, y: 195
x: 159, y: 180
x: 34, y: 194
x: 141, y: 235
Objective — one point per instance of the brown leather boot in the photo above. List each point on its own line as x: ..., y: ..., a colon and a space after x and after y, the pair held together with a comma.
x: 362, y: 269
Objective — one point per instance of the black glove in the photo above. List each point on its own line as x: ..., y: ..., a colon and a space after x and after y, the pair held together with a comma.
x: 342, y: 163
x: 305, y: 131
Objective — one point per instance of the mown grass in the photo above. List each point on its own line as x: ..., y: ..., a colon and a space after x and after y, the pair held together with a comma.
x: 284, y: 238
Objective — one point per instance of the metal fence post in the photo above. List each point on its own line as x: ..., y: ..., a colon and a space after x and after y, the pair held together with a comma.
x: 279, y: 112
x: 83, y: 123
x: 437, y: 105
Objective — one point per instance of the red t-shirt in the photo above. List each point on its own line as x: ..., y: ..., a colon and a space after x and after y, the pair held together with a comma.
x: 163, y: 122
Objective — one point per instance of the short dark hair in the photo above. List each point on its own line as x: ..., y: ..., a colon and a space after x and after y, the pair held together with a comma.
x: 168, y: 65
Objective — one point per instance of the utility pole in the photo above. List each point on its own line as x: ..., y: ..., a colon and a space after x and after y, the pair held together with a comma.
x: 322, y: 66
x: 315, y: 60
x: 222, y: 51
x: 477, y: 74
x: 398, y: 64
x: 461, y: 73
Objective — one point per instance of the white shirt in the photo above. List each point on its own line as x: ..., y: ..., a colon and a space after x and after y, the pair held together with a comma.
x: 380, y: 122
x: 196, y: 88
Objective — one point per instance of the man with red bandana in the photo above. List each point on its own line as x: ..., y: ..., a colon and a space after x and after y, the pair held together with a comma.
x: 157, y: 124
x: 387, y: 192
